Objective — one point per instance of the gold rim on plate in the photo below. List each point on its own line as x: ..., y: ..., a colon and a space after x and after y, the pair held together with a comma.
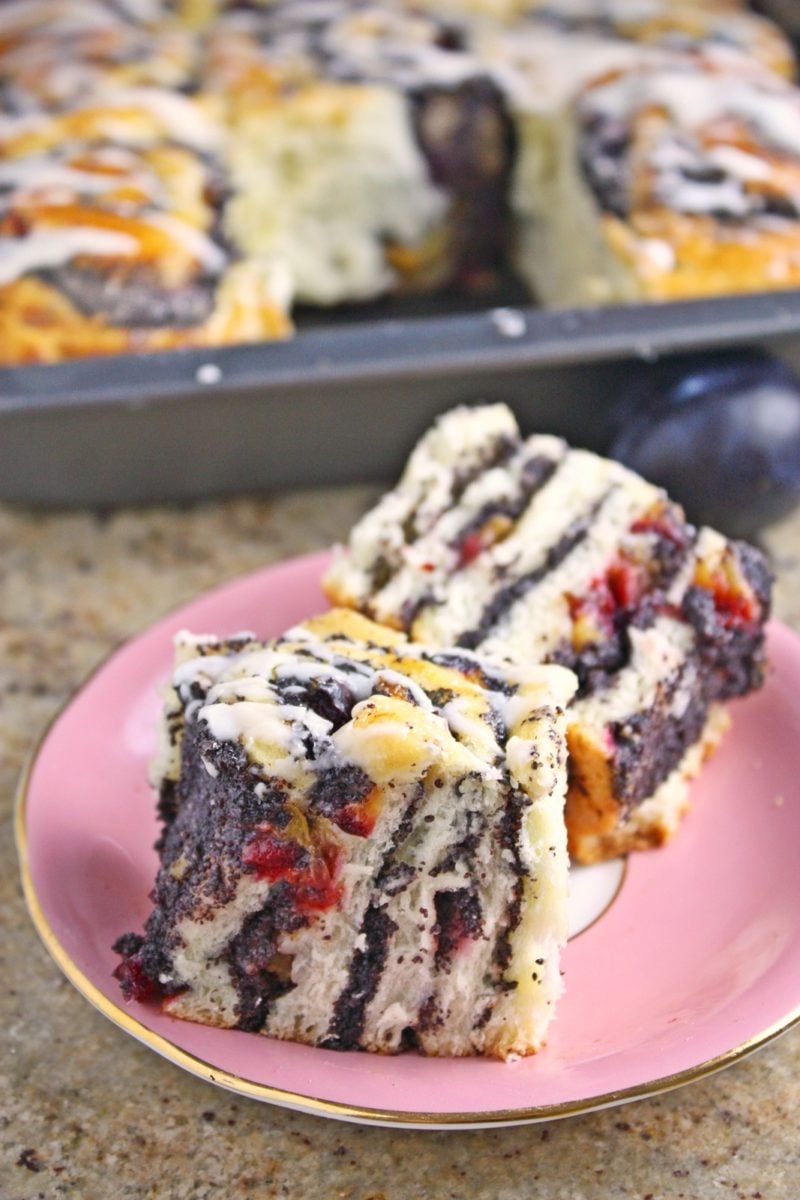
x: 312, y: 1104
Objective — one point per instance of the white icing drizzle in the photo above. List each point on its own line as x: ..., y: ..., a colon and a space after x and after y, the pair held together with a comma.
x: 694, y: 98
x: 18, y: 125
x: 708, y: 196
x: 184, y: 638
x: 117, y: 156
x: 305, y: 671
x: 249, y: 699
x: 659, y: 254
x: 205, y: 670
x: 397, y: 679
x: 688, y: 174
x: 146, y: 12
x: 198, y: 244
x: 180, y: 116
x: 460, y: 716
x: 316, y: 725
x: 19, y: 16
x: 740, y: 163
x: 612, y: 10
x: 265, y: 728
x: 255, y: 688
x: 399, y: 50
x: 373, y: 42
x: 511, y: 709
x: 53, y: 248
x: 247, y: 721
x: 540, y: 68
x: 44, y: 173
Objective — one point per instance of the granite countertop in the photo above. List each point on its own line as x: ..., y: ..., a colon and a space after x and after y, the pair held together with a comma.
x: 87, y: 1112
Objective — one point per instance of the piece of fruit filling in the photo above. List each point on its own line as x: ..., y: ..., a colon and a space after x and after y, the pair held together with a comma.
x: 134, y: 981
x: 299, y: 856
x: 655, y: 545
x: 594, y: 615
x: 735, y: 600
x: 472, y: 543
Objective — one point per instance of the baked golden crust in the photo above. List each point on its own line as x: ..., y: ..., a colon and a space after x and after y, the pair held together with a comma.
x: 39, y: 324
x: 598, y: 826
x: 706, y: 262
x: 699, y: 196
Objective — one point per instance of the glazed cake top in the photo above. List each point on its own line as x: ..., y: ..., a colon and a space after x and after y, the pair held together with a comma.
x: 696, y: 169
x: 443, y: 45
x: 455, y: 526
x: 341, y: 689
x: 345, y: 42
x: 528, y: 549
x: 140, y: 205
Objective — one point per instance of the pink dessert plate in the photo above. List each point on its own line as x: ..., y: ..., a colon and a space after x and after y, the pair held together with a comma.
x: 692, y: 963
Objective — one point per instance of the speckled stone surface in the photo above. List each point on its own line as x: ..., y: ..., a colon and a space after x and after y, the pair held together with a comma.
x: 87, y: 1112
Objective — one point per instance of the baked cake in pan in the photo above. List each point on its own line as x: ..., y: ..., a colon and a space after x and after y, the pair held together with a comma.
x: 527, y: 549
x: 408, y: 128
x: 363, y: 845
x: 359, y: 148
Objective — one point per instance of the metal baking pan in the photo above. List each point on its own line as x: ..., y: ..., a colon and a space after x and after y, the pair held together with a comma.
x: 340, y: 402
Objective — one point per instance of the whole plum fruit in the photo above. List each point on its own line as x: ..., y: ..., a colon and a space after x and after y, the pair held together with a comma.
x: 719, y: 431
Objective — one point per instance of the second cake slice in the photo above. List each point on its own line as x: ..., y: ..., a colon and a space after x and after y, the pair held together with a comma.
x: 528, y: 549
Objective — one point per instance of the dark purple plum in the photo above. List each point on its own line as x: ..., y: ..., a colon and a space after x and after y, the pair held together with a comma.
x: 721, y: 432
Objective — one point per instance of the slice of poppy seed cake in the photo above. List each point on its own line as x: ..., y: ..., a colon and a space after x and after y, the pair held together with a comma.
x: 364, y: 843
x: 528, y: 549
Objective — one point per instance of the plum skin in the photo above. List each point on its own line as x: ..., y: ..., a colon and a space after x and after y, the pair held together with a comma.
x: 721, y: 433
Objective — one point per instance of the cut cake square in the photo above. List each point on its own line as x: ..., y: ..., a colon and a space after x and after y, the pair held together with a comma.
x: 530, y: 550
x: 364, y: 843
